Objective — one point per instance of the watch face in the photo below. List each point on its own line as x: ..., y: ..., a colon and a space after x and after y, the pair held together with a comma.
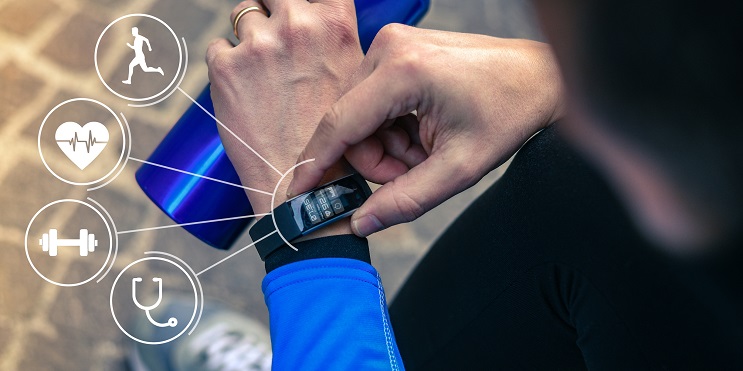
x: 326, y: 204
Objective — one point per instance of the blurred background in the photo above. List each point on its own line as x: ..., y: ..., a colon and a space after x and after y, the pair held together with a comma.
x: 46, y: 57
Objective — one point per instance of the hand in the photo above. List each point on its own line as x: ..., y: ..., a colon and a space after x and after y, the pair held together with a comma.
x: 273, y: 87
x: 478, y: 99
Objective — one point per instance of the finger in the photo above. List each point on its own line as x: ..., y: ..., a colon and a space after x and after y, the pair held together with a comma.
x: 387, y: 123
x: 371, y: 161
x: 249, y: 22
x: 411, y: 195
x: 411, y: 125
x: 397, y: 144
x: 362, y: 72
x: 356, y: 116
x: 216, y: 47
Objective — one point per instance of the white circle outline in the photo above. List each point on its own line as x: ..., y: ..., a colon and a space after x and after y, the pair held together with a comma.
x: 175, y: 77
x: 193, y: 316
x: 196, y: 276
x: 115, y: 235
x: 123, y: 139
x: 273, y: 198
x: 110, y: 243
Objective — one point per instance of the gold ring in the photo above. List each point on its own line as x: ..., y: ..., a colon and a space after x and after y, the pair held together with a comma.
x: 242, y: 13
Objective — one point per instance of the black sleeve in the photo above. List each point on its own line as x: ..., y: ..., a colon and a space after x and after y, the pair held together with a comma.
x: 343, y: 246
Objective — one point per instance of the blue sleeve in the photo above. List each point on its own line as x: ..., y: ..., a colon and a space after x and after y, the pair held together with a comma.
x: 329, y: 314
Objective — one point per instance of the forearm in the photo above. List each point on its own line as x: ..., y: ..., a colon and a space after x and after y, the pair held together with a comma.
x: 327, y: 308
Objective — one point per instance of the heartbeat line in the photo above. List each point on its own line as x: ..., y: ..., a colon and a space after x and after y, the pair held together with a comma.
x: 88, y: 143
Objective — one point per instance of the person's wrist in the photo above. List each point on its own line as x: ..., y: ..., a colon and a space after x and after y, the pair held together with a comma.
x: 261, y: 203
x: 341, y: 227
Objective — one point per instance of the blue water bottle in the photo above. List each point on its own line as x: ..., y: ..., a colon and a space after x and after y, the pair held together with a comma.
x: 193, y: 146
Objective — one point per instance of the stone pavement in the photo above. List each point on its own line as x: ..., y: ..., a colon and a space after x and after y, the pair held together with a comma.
x: 46, y: 57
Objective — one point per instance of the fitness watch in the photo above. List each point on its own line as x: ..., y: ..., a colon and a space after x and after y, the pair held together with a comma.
x: 308, y: 212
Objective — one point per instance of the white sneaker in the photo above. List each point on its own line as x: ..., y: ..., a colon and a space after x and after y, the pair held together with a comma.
x: 224, y: 340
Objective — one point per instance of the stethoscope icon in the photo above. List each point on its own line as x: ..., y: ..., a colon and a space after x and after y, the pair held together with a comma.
x: 172, y: 322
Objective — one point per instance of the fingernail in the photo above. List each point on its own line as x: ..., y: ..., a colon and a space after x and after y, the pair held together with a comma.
x: 366, y: 225
x: 290, y: 190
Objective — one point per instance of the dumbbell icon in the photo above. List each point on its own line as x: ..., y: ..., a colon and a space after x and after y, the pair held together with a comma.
x: 49, y: 242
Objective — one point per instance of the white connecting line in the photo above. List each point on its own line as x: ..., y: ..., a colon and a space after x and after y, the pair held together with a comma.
x: 215, y: 180
x: 200, y: 176
x: 235, y: 253
x: 230, y: 131
x: 203, y: 222
x: 192, y: 223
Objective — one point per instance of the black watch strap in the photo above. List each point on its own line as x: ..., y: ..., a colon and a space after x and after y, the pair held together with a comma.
x: 341, y: 204
x: 268, y: 240
x: 347, y: 246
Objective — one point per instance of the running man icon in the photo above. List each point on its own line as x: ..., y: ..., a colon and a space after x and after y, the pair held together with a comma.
x: 139, y: 58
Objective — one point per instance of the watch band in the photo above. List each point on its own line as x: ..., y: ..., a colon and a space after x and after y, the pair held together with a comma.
x: 268, y: 243
x: 346, y: 246
x: 262, y: 232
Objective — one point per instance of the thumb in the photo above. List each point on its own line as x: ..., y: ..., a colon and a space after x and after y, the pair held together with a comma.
x: 414, y: 193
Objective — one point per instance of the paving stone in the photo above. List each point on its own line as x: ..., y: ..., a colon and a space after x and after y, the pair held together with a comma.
x: 82, y: 312
x: 68, y: 352
x: 73, y: 46
x: 16, y: 89
x: 5, y: 334
x: 89, y: 112
x: 105, y: 5
x: 41, y: 354
x: 83, y: 326
x: 189, y: 21
x: 22, y: 17
x: 20, y: 284
x: 31, y: 129
x: 127, y: 213
x: 27, y: 188
x: 85, y: 330
x: 237, y: 281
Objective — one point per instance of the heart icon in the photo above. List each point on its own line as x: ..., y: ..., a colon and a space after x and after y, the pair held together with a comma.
x: 81, y: 144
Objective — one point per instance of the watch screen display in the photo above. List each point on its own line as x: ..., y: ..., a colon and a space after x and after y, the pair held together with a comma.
x: 324, y: 204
